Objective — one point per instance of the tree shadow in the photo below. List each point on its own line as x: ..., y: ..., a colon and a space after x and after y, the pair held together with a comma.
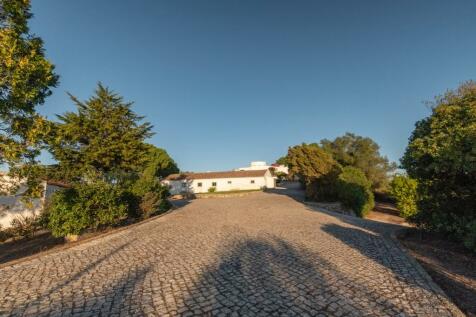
x: 68, y: 298
x: 268, y: 276
x: 383, y: 251
x: 377, y: 227
x: 290, y: 189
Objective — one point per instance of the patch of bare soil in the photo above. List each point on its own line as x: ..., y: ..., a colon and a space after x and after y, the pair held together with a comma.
x: 386, y: 212
x: 16, y: 249
x: 451, y: 266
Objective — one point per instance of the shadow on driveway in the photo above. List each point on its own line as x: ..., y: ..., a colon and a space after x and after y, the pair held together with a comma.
x: 270, y: 276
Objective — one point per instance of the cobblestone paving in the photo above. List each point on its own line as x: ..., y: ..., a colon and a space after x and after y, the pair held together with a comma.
x: 259, y: 255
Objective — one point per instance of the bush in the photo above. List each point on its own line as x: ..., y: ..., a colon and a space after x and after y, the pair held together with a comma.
x: 469, y: 238
x: 86, y: 206
x: 441, y: 156
x: 212, y: 189
x: 354, y: 191
x: 24, y: 226
x: 404, y: 190
x: 5, y: 234
x: 151, y: 196
x: 324, y: 188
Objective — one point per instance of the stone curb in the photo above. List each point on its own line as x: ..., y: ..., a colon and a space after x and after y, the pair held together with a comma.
x: 400, y: 233
x: 225, y: 195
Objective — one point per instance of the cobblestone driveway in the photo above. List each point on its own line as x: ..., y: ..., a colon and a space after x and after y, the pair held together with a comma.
x: 263, y: 254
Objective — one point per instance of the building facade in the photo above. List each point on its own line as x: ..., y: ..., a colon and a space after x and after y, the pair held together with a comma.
x: 261, y: 165
x: 219, y: 181
x: 12, y: 206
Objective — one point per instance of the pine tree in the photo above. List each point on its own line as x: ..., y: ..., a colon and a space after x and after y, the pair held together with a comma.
x: 104, y: 138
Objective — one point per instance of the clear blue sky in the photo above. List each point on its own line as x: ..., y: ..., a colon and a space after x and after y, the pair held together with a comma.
x: 227, y: 82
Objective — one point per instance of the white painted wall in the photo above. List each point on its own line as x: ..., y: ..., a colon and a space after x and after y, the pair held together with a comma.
x: 222, y: 184
x: 261, y: 165
x: 12, y: 206
x: 281, y: 168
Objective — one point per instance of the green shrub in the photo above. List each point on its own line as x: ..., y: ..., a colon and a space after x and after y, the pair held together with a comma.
x: 24, y: 226
x: 151, y: 196
x: 86, y: 206
x: 404, y: 190
x: 324, y: 188
x: 441, y: 156
x: 354, y: 191
x: 212, y: 189
x: 469, y: 238
x: 5, y: 234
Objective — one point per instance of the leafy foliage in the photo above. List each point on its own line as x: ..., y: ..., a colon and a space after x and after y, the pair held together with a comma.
x: 158, y: 163
x: 441, y: 156
x: 212, y: 189
x: 153, y: 203
x: 362, y: 153
x: 404, y: 190
x: 26, y: 80
x: 24, y: 226
x: 105, y: 136
x: 150, y: 195
x: 316, y: 170
x: 324, y: 188
x: 84, y: 206
x: 354, y: 190
x: 309, y: 162
x: 283, y: 160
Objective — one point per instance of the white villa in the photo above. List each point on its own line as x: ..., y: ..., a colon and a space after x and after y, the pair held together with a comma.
x: 261, y: 165
x: 220, y: 181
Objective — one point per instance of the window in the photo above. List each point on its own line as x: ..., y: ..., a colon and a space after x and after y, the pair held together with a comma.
x: 252, y: 181
x: 214, y: 184
x: 199, y: 184
x: 184, y: 184
x: 229, y: 182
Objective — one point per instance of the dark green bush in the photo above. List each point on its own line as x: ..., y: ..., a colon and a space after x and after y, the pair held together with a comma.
x: 86, y: 206
x: 151, y: 197
x: 354, y: 191
x: 441, y: 156
x: 324, y: 188
x: 469, y: 238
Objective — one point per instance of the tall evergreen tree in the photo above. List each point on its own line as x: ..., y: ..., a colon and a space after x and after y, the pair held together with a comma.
x: 158, y: 163
x: 103, y: 137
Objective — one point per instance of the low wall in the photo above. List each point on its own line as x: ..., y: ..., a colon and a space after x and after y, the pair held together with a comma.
x: 225, y: 194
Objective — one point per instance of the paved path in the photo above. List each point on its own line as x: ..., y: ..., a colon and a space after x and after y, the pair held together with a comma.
x: 259, y: 255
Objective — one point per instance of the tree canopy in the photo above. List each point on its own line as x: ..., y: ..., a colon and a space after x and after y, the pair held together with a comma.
x: 26, y: 79
x: 362, y: 153
x: 158, y: 163
x: 309, y: 162
x: 283, y: 160
x: 104, y: 136
x: 441, y: 156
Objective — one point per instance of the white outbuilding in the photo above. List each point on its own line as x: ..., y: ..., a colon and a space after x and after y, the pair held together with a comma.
x: 219, y: 181
x: 261, y: 165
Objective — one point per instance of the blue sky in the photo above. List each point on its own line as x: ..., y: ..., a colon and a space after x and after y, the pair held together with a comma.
x: 226, y: 82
